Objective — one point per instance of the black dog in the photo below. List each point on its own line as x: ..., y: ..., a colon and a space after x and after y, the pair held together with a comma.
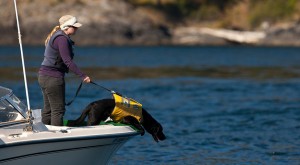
x: 102, y: 109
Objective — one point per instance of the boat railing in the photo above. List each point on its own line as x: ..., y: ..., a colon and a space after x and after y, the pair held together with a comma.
x: 8, y: 123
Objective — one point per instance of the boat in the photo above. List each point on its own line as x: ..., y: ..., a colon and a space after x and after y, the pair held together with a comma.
x: 24, y: 139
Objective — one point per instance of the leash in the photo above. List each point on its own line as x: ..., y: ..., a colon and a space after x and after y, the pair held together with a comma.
x: 111, y: 91
x: 79, y: 88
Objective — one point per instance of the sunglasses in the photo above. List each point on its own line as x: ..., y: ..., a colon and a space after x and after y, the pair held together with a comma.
x: 73, y: 27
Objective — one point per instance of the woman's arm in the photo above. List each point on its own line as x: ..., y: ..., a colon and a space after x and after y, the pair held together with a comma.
x: 65, y: 51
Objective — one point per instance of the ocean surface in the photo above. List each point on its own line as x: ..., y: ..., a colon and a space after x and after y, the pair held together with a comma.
x: 208, y: 120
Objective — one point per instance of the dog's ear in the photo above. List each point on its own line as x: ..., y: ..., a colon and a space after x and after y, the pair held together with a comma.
x: 161, y: 136
x: 155, y: 137
x: 157, y: 133
x: 154, y: 131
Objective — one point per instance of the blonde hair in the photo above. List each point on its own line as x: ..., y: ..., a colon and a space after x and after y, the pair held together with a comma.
x: 50, y: 34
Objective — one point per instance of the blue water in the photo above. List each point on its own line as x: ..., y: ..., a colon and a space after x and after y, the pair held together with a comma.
x: 206, y: 120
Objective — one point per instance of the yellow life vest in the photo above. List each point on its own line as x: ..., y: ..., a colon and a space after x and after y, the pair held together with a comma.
x: 126, y: 107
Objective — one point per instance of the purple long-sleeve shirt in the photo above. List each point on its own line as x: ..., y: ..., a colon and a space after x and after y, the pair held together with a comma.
x: 61, y: 44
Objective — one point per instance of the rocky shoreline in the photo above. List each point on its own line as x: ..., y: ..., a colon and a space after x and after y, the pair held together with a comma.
x: 276, y: 36
x: 115, y: 22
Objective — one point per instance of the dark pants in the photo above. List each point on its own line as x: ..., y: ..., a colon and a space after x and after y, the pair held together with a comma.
x: 53, y: 90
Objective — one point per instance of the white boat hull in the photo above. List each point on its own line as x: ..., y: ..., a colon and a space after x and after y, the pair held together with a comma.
x: 51, y: 145
x: 77, y: 152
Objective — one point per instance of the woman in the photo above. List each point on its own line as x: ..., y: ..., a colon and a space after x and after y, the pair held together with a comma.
x: 58, y: 60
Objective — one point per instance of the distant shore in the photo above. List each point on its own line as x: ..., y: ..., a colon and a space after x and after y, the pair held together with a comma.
x: 185, y: 36
x: 119, y: 23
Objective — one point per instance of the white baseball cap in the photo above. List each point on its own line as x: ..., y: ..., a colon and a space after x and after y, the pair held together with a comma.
x: 67, y: 21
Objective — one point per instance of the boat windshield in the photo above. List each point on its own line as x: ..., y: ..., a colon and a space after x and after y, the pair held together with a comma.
x: 11, y: 108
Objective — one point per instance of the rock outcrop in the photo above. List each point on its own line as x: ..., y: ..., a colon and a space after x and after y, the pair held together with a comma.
x: 104, y: 22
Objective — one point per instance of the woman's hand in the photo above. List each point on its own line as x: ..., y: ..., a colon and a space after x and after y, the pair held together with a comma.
x: 87, y: 79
